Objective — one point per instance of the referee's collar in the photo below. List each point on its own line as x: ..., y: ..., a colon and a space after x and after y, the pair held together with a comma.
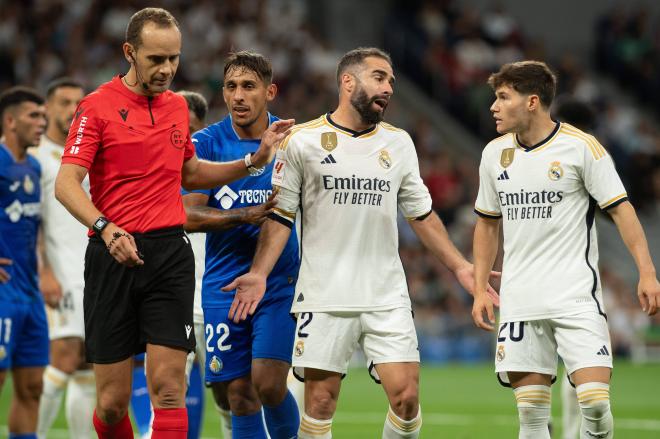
x: 118, y: 84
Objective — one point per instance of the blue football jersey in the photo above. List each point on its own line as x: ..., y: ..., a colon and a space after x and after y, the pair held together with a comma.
x: 229, y: 253
x: 20, y: 214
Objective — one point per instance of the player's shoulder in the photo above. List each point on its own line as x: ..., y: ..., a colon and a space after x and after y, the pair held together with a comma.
x: 303, y: 130
x: 582, y: 140
x: 500, y: 143
x: 391, y: 131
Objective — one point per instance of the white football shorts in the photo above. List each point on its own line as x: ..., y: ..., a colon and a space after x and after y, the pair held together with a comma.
x: 67, y: 320
x: 581, y: 340
x: 326, y: 340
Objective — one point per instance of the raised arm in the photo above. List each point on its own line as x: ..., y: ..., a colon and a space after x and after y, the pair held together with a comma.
x: 203, y: 174
x: 648, y: 289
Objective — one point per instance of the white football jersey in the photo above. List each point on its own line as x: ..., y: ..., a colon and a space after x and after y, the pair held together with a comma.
x: 64, y: 237
x: 348, y: 186
x: 546, y: 196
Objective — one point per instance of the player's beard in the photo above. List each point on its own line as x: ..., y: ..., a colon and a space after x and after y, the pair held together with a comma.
x: 363, y: 105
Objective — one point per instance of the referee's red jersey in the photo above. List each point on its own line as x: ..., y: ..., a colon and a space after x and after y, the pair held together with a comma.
x: 134, y: 148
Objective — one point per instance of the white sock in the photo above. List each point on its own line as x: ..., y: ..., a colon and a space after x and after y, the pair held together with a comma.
x: 597, y: 421
x: 533, y: 411
x: 311, y: 428
x: 396, y: 428
x: 80, y: 403
x: 225, y: 422
x: 49, y: 404
x: 570, y: 410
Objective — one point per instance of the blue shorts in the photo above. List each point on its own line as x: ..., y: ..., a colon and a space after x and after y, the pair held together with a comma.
x: 23, y: 335
x: 231, y: 347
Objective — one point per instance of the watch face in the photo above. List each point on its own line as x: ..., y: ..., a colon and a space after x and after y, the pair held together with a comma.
x: 99, y: 223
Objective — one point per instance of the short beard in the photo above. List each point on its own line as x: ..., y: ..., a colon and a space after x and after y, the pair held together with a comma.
x: 362, y: 104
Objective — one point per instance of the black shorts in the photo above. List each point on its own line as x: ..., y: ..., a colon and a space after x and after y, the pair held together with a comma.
x: 126, y: 308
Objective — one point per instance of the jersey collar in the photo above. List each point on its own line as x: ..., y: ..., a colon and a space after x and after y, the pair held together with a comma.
x: 235, y: 135
x: 543, y: 142
x: 348, y: 131
x: 120, y: 87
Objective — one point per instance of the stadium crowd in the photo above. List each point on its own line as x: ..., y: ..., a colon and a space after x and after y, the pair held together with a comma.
x: 447, y: 49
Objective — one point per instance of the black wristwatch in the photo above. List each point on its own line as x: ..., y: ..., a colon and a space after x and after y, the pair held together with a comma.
x: 100, y: 224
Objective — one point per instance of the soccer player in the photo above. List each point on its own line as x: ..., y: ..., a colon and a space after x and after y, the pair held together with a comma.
x: 247, y: 362
x: 544, y: 179
x: 132, y: 136
x: 62, y: 279
x: 23, y: 327
x: 348, y: 172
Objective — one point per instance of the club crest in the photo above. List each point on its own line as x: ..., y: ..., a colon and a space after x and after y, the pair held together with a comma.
x: 556, y: 171
x: 384, y: 159
x: 500, y: 353
x: 300, y: 348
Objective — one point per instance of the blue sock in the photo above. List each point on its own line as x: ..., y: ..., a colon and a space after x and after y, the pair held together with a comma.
x: 140, y: 402
x: 195, y: 402
x: 23, y: 436
x: 248, y: 427
x: 283, y: 420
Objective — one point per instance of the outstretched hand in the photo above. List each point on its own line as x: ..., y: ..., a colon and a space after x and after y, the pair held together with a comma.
x: 270, y: 141
x: 250, y: 288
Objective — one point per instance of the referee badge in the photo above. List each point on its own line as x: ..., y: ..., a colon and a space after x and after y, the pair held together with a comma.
x: 329, y: 140
x: 507, y: 157
x: 300, y: 348
x: 215, y: 365
x: 556, y: 171
x: 384, y: 159
x: 500, y: 353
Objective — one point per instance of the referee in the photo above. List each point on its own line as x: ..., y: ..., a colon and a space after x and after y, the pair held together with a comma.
x: 131, y: 135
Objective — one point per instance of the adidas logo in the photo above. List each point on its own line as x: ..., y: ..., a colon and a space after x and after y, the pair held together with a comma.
x: 328, y: 160
x: 603, y: 351
x: 503, y: 176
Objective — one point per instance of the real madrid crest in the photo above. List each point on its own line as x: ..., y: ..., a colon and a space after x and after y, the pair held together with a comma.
x: 28, y: 185
x: 329, y: 140
x: 215, y: 365
x: 556, y: 171
x: 300, y: 348
x: 500, y: 353
x: 384, y: 159
x: 507, y: 157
